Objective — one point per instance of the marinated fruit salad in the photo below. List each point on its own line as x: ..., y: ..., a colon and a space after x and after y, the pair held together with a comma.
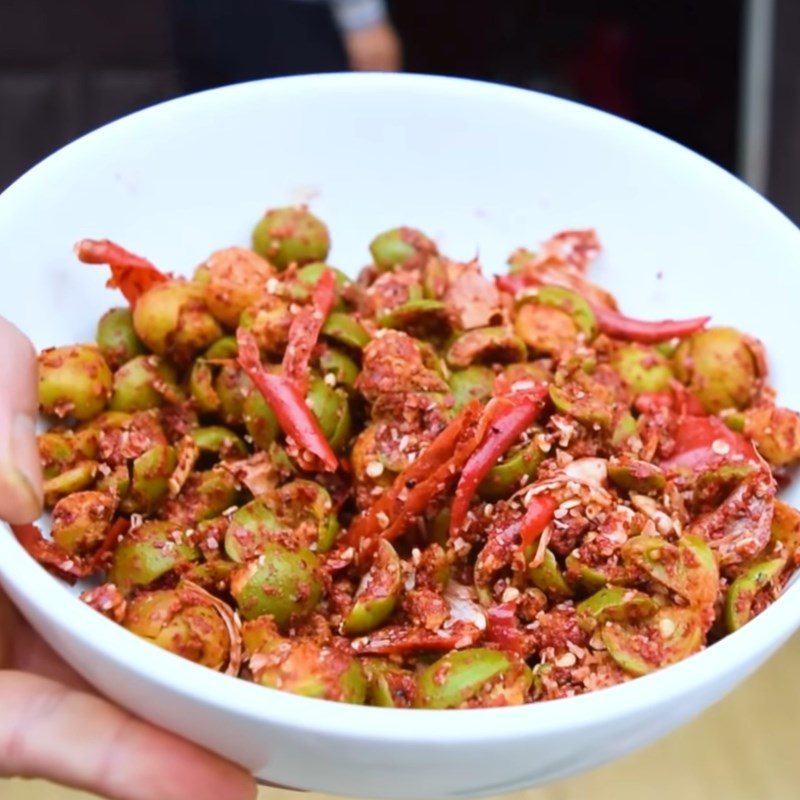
x: 420, y: 488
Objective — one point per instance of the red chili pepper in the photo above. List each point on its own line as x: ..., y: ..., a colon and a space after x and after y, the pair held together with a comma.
x: 649, y: 402
x: 115, y: 530
x: 678, y: 399
x: 305, y: 329
x: 686, y: 402
x: 694, y: 443
x: 503, y: 628
x: 619, y: 326
x: 416, y: 486
x: 283, y: 396
x: 49, y: 554
x: 131, y: 274
x: 508, y: 416
x: 613, y: 323
x: 30, y: 537
x: 537, y: 517
x: 512, y: 283
x: 58, y: 561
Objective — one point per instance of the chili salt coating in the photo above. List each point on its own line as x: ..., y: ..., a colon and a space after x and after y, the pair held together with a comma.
x: 419, y: 488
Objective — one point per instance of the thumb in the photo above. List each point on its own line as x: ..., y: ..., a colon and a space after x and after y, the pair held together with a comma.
x: 20, y: 468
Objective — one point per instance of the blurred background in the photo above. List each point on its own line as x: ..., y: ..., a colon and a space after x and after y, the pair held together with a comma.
x: 720, y: 76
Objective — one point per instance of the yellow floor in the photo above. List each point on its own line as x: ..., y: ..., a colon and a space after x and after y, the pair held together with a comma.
x: 745, y: 748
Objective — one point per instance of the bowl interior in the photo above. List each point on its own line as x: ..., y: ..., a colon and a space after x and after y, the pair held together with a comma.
x: 483, y: 169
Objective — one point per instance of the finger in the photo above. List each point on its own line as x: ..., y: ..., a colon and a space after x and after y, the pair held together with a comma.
x: 50, y: 731
x: 20, y: 469
x: 32, y: 654
x: 23, y: 649
x: 26, y: 651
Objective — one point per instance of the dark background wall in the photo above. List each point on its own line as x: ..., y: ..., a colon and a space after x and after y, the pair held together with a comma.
x: 67, y: 66
x: 672, y: 66
x: 784, y: 173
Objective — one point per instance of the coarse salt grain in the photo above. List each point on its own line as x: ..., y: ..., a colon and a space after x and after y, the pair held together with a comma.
x: 666, y: 627
x: 566, y: 660
x: 542, y: 443
x: 596, y: 642
x: 617, y: 536
x: 510, y: 594
x: 664, y: 524
x: 374, y: 469
x: 626, y: 512
x: 461, y: 546
x: 720, y: 447
x: 563, y: 458
x: 383, y: 519
x: 577, y: 650
x: 643, y: 503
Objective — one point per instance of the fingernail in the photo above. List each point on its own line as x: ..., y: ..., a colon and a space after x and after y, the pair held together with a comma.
x: 21, y: 474
x: 25, y: 451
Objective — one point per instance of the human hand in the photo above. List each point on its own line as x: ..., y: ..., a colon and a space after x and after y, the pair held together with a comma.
x: 376, y: 48
x: 52, y: 725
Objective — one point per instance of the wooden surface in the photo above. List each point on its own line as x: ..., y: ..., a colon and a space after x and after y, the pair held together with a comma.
x: 745, y: 748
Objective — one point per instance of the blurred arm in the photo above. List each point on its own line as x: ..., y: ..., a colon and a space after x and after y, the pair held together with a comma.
x: 369, y: 38
x: 353, y: 15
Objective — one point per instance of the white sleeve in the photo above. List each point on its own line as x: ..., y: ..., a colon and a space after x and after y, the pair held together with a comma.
x: 352, y: 15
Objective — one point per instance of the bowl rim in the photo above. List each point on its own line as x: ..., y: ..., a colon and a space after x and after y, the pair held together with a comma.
x: 46, y: 595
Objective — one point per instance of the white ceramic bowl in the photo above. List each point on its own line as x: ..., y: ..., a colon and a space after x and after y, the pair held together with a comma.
x: 483, y: 169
